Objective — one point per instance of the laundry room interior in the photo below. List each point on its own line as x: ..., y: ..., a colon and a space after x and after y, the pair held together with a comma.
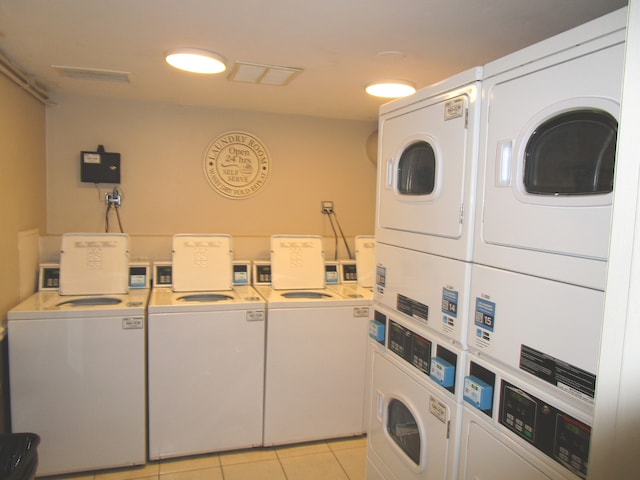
x: 210, y: 277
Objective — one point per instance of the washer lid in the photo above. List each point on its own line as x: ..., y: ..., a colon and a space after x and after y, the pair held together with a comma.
x: 297, y: 262
x: 365, y: 259
x: 202, y: 263
x: 94, y: 264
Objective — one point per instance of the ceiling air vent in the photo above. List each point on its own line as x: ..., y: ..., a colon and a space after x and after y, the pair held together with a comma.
x: 263, y: 74
x: 93, y: 74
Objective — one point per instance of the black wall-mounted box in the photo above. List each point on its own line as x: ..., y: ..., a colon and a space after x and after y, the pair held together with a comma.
x: 100, y: 166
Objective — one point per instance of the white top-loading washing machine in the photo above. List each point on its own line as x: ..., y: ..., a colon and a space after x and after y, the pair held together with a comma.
x: 547, y: 153
x: 205, y: 353
x: 356, y: 282
x: 427, y: 167
x: 316, y: 348
x: 77, y: 362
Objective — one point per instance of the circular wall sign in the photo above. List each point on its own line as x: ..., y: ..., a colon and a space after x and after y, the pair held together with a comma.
x: 236, y: 164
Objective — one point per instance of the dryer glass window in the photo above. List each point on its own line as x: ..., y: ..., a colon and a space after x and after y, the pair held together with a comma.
x: 417, y: 170
x: 403, y: 429
x: 572, y: 154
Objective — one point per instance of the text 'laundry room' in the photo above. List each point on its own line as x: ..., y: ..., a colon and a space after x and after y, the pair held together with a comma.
x: 220, y: 274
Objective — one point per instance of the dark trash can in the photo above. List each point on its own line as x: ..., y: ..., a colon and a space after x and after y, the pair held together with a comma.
x: 18, y: 456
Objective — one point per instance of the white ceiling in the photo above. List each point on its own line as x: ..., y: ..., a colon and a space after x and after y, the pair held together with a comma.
x: 338, y: 43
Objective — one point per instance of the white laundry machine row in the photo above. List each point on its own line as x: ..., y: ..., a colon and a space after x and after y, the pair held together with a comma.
x: 416, y: 403
x: 513, y: 429
x: 315, y: 348
x: 205, y: 352
x: 547, y: 152
x: 430, y: 289
x: 546, y: 331
x: 77, y: 361
x: 427, y: 167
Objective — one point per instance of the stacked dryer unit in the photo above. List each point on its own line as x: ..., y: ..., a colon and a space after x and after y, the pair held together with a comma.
x: 424, y: 237
x: 205, y: 352
x: 546, y: 168
x: 315, y: 347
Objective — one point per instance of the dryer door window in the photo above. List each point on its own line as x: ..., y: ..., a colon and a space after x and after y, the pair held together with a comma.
x: 417, y: 170
x: 403, y: 429
x: 572, y: 154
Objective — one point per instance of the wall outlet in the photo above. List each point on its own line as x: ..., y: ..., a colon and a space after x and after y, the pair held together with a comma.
x: 327, y: 207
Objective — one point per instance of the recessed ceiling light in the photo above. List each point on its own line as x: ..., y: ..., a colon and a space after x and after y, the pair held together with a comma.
x: 195, y: 60
x: 390, y: 88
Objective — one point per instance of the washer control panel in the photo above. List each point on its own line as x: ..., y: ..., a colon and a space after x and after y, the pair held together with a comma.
x: 49, y: 277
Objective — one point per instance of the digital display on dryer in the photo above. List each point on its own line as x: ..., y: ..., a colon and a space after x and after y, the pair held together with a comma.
x: 399, y: 339
x: 519, y: 412
x: 558, y: 435
x: 421, y: 353
x: 572, y: 443
x: 410, y: 346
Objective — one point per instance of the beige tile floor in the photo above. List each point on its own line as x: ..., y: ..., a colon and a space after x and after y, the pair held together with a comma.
x: 341, y: 459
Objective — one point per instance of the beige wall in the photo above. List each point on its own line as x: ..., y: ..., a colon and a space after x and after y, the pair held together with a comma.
x: 22, y: 196
x: 165, y: 190
x: 22, y: 190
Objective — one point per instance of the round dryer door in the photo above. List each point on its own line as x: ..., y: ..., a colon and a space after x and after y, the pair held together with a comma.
x: 572, y: 153
x: 417, y: 170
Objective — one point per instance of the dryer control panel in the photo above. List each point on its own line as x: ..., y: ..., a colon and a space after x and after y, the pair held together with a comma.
x: 410, y: 346
x: 436, y: 361
x: 555, y: 433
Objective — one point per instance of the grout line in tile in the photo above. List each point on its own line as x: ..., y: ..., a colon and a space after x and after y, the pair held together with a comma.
x: 346, y: 474
x: 284, y: 471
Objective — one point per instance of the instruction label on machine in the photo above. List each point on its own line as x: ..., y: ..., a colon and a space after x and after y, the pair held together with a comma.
x: 454, y: 108
x: 132, y: 323
x: 484, y: 320
x: 438, y: 409
x: 566, y: 377
x: 413, y: 308
x: 485, y: 316
x: 381, y: 278
x: 449, y: 308
x: 255, y: 315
